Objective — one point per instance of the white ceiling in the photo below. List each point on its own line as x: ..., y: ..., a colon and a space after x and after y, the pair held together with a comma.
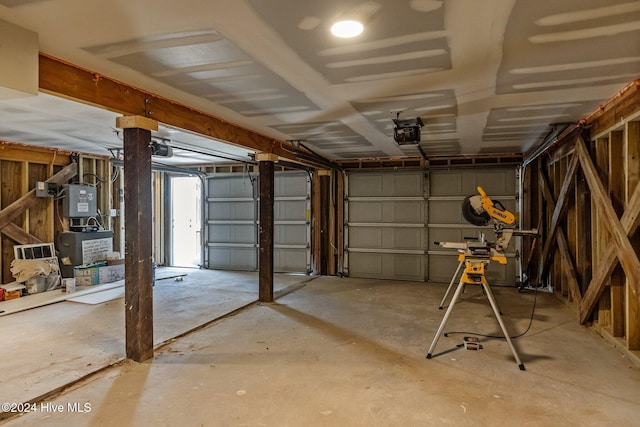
x: 487, y: 76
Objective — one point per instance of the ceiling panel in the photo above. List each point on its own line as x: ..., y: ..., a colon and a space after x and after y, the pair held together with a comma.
x: 483, y: 76
x: 569, y: 45
x: 205, y: 64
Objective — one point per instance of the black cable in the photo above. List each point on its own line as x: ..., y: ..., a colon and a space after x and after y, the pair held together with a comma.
x: 533, y: 309
x: 99, y: 179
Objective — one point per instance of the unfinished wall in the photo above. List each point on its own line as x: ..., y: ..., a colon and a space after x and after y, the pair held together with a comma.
x: 583, y: 193
x: 26, y: 219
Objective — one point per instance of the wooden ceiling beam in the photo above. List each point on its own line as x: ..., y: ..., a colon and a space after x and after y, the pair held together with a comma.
x: 69, y: 81
x: 20, y: 152
x: 614, y: 111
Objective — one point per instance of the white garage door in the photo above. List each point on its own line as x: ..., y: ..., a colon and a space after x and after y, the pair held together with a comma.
x: 385, y: 225
x: 292, y: 225
x: 232, y: 213
x: 232, y: 222
x: 393, y: 218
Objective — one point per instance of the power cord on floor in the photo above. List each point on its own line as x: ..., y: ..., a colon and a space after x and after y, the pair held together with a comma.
x: 533, y: 310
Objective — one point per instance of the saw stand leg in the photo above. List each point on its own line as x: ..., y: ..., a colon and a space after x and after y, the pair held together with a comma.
x: 446, y: 294
x: 453, y: 279
x: 496, y: 311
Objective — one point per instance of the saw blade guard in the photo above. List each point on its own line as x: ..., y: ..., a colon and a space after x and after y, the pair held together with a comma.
x: 473, y: 212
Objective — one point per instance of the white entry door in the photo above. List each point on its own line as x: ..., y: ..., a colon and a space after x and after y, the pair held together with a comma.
x: 186, y: 221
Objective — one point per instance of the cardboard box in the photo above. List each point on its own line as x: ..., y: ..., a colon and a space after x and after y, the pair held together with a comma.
x: 12, y: 290
x: 111, y: 273
x: 98, y: 273
x: 9, y: 295
x: 87, y: 275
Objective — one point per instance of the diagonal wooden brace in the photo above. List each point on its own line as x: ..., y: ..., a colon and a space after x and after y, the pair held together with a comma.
x: 11, y: 212
x: 563, y: 245
x: 558, y: 213
x: 620, y: 230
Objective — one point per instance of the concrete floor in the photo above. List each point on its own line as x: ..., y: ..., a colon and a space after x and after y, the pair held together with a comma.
x: 334, y: 352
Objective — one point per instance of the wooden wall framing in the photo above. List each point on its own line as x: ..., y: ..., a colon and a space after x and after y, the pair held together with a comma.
x: 586, y: 199
x: 26, y: 219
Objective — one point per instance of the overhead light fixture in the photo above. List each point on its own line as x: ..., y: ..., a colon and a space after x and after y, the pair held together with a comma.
x: 347, y: 29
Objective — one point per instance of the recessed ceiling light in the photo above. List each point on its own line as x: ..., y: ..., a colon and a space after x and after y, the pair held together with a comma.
x: 347, y: 29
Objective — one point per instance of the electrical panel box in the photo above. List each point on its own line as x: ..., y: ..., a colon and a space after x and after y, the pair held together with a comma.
x: 80, y: 201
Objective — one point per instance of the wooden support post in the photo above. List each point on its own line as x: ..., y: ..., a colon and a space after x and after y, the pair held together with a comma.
x: 325, y: 178
x: 616, y: 186
x: 137, y: 236
x: 265, y: 259
x: 536, y: 206
x: 601, y: 163
x: 315, y: 224
x: 632, y: 168
x: 561, y: 287
x: 339, y: 221
x: 531, y: 214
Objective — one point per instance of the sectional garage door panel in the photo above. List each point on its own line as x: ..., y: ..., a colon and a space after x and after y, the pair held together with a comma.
x: 387, y: 266
x: 292, y: 227
x: 457, y: 234
x: 449, y: 211
x: 392, y: 211
x: 233, y: 215
x: 394, y: 218
x: 232, y: 258
x: 385, y: 184
x: 289, y: 260
x: 387, y: 238
x: 232, y: 209
x: 447, y: 191
x: 231, y: 218
x: 385, y: 228
x: 463, y: 182
x: 232, y: 234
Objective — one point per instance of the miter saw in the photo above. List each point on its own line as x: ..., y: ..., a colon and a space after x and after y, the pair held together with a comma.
x: 480, y: 210
x: 476, y: 254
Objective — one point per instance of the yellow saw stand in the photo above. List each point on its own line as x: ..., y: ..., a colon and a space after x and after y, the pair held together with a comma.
x: 474, y: 274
